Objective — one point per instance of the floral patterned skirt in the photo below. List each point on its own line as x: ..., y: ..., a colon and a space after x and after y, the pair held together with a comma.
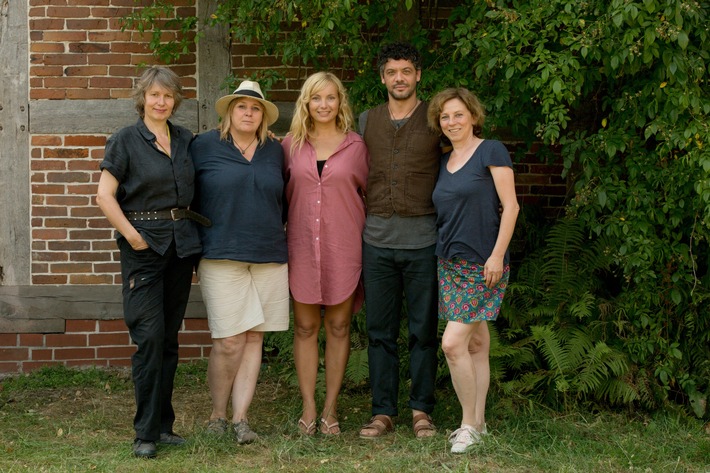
x: 463, y: 295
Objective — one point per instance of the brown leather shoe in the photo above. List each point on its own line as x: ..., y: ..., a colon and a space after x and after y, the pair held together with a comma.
x: 378, y: 426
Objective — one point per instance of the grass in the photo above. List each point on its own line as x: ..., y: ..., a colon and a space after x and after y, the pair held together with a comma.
x: 61, y: 420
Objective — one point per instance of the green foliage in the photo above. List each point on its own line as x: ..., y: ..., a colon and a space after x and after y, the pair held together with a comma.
x: 620, y: 89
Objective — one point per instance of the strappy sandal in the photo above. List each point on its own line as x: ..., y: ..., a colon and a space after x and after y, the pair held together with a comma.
x: 423, y: 426
x: 307, y: 429
x: 329, y: 429
x: 378, y: 426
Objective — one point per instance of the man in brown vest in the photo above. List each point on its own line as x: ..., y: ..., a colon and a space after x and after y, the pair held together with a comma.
x: 399, y: 241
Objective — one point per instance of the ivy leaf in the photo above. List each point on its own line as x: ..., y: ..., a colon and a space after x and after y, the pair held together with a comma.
x: 675, y: 296
x: 683, y: 39
x: 602, y: 198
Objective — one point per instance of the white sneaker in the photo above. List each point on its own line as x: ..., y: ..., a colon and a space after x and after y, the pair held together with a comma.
x: 463, y: 438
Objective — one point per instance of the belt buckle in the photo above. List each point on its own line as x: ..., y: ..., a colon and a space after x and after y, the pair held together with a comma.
x: 173, y: 214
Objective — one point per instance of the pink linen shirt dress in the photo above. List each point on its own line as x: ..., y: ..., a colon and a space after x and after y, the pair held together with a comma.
x: 326, y: 216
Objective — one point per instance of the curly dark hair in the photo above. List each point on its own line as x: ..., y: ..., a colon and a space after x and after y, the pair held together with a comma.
x: 397, y: 51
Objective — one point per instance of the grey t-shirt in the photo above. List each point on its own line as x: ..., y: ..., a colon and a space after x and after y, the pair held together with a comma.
x: 402, y: 233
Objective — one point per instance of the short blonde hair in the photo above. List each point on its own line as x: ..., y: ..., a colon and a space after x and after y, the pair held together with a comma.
x: 261, y: 132
x: 302, y: 123
x: 471, y: 102
x: 161, y: 76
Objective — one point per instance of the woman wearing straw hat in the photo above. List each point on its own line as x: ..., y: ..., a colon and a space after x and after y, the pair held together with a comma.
x: 243, y: 272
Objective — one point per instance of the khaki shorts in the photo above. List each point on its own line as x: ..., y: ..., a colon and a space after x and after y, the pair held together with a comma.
x: 244, y: 296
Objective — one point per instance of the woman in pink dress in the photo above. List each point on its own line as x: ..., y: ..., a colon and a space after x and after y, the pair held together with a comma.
x: 326, y: 166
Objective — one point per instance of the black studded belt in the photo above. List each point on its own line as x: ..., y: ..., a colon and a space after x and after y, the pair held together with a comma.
x: 168, y: 214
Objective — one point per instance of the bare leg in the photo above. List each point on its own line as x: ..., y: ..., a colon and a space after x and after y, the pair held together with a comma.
x: 225, y: 358
x: 307, y: 322
x: 337, y: 351
x: 479, y: 347
x: 456, y: 344
x: 247, y: 375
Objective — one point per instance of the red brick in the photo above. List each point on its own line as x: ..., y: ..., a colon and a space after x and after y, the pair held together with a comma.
x: 85, y: 166
x: 108, y: 245
x: 90, y: 279
x: 84, y: 140
x: 194, y: 338
x: 91, y: 3
x: 42, y: 354
x: 65, y: 82
x: 88, y: 256
x: 109, y: 339
x: 68, y: 245
x: 80, y: 326
x: 66, y: 153
x: 31, y: 339
x: 69, y: 177
x: 45, y: 140
x: 47, y: 48
x: 54, y: 234
x: 45, y: 211
x: 91, y: 234
x: 47, y: 24
x: 46, y: 70
x: 121, y: 94
x: 108, y: 268
x: 196, y: 324
x: 8, y: 339
x: 68, y: 12
x: 65, y: 59
x: 88, y: 24
x: 65, y: 340
x: 39, y: 245
x: 116, y: 352
x: 53, y: 279
x: 111, y: 82
x: 109, y: 36
x: 45, y: 94
x: 36, y: 12
x: 110, y: 12
x: 112, y: 58
x: 87, y: 94
x: 99, y: 223
x: 69, y: 222
x: 85, y: 71
x: 14, y: 354
x: 74, y: 353
x: 117, y: 325
x: 83, y: 189
x: 66, y: 268
x: 130, y: 47
x: 70, y: 200
x: 52, y: 256
x: 190, y: 353
x: 38, y: 177
x: 87, y: 212
x: 8, y: 367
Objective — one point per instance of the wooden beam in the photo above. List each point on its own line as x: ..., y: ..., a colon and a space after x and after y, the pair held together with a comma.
x: 15, y: 235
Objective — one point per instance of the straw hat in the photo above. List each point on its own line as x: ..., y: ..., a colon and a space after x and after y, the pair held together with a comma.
x: 248, y: 89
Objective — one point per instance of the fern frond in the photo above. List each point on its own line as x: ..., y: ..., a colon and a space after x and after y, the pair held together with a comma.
x: 357, y: 369
x: 552, y: 349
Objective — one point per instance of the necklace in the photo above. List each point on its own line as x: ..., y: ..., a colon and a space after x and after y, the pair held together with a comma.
x: 404, y: 117
x: 157, y: 142
x: 244, y: 150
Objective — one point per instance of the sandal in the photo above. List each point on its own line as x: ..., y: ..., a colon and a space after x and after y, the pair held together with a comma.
x: 423, y: 426
x: 378, y: 426
x: 307, y: 429
x: 329, y: 429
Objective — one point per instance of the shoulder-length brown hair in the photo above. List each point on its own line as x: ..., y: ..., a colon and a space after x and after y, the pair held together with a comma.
x: 469, y: 100
x: 161, y: 76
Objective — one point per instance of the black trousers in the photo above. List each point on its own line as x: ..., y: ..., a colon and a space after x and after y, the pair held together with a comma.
x: 390, y: 274
x: 155, y: 294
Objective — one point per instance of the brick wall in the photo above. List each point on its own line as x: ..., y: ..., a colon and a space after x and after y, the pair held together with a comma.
x: 77, y: 52
x: 102, y: 343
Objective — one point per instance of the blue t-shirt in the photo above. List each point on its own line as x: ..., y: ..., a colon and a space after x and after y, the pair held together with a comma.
x: 244, y: 200
x: 467, y: 205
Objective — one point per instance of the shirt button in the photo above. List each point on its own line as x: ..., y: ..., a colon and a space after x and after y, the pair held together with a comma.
x: 396, y: 151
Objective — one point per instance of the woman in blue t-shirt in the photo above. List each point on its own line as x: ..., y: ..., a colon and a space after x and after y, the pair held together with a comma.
x: 243, y: 272
x: 475, y: 181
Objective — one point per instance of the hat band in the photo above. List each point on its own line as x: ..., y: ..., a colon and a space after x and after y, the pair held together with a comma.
x: 250, y: 93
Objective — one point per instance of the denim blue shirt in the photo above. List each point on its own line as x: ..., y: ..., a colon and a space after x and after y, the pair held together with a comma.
x: 149, y: 179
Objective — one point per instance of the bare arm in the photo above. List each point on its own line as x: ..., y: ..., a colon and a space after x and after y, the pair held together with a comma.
x: 106, y: 199
x: 504, y: 181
